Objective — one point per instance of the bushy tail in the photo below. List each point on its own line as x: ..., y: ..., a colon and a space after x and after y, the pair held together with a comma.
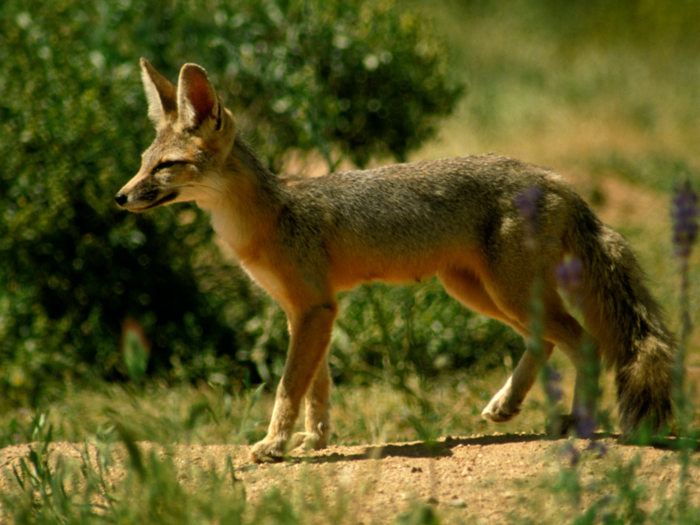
x: 627, y: 323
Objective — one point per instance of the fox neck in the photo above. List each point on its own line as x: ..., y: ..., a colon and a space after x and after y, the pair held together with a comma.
x: 244, y: 211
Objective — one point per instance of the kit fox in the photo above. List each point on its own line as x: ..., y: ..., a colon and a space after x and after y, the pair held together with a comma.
x: 303, y: 240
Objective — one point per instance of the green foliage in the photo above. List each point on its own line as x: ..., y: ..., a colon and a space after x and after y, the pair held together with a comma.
x: 358, y: 77
x: 397, y: 332
x: 344, y: 78
x: 135, y: 351
x: 419, y: 515
x: 151, y: 493
x: 38, y: 429
x: 73, y: 269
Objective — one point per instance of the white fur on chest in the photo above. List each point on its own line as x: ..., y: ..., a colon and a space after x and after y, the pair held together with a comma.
x: 270, y: 282
x: 230, y: 226
x: 238, y: 235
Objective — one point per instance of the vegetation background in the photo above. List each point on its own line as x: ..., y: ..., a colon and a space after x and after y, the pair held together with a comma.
x: 110, y: 319
x: 302, y: 77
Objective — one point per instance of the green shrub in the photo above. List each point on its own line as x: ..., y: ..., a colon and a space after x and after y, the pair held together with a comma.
x: 343, y: 78
x: 398, y: 332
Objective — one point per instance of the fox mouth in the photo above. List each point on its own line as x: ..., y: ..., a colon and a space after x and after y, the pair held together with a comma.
x: 164, y: 199
x: 168, y: 197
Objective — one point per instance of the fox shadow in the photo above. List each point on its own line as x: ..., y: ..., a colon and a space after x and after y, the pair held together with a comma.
x: 443, y: 447
x: 423, y: 449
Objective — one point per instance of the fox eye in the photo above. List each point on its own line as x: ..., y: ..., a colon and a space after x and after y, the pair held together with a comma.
x: 167, y: 164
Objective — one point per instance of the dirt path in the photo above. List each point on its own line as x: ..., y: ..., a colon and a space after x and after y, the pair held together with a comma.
x: 479, y: 479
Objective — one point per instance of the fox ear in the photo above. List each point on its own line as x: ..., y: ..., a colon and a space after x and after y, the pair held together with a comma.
x: 196, y: 99
x: 161, y: 95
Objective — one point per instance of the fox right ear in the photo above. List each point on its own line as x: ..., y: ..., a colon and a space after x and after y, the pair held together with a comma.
x: 161, y: 95
x: 197, y: 99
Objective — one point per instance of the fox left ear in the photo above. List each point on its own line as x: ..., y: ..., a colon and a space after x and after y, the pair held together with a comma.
x: 196, y: 99
x: 161, y: 95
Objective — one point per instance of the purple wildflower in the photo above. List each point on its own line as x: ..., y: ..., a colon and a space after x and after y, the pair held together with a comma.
x: 552, y: 385
x: 685, y: 232
x: 571, y: 453
x: 585, y: 424
x: 528, y: 202
x: 597, y: 446
x: 569, y: 274
x: 685, y: 219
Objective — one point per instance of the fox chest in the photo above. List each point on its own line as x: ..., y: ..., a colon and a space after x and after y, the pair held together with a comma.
x: 270, y: 281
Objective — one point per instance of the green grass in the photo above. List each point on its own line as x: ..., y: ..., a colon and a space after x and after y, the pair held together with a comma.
x: 534, y: 90
x: 207, y: 415
x: 130, y: 448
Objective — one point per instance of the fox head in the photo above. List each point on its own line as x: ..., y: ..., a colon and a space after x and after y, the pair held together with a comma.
x: 194, y: 136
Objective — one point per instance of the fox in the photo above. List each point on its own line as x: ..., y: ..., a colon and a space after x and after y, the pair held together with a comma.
x: 303, y: 240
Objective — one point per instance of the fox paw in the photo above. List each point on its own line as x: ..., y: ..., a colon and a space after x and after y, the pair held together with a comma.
x: 563, y: 425
x: 308, y: 441
x: 268, y: 451
x: 501, y: 409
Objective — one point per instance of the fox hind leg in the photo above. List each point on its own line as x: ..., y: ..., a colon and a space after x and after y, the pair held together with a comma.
x: 466, y: 287
x: 505, y: 405
x: 561, y: 329
x: 564, y: 331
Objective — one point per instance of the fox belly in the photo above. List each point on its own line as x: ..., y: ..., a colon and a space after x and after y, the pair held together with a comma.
x: 347, y: 268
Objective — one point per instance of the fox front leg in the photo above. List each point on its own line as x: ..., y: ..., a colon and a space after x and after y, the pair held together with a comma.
x: 317, y: 421
x: 306, y: 367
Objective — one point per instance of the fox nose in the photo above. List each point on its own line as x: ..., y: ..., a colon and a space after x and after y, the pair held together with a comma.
x: 121, y: 198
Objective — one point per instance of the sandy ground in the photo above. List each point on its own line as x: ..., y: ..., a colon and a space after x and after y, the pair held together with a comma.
x: 478, y: 479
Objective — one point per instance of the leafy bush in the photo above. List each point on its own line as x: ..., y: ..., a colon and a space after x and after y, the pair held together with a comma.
x: 398, y: 332
x: 344, y: 78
